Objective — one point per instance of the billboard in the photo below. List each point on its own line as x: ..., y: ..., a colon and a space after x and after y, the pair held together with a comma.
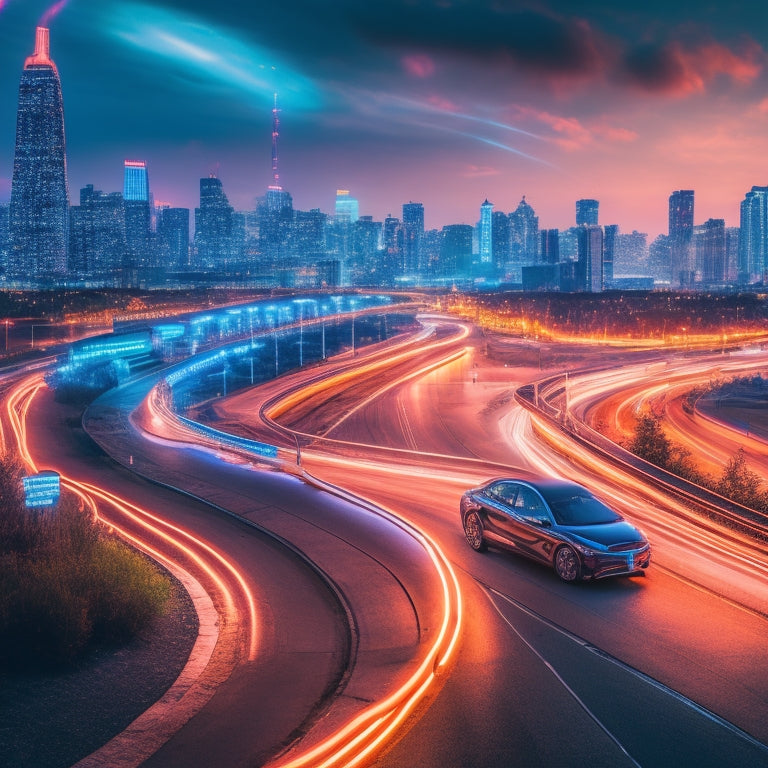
x: 42, y: 489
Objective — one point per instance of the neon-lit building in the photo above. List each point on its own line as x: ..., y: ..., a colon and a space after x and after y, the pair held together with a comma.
x: 97, y: 236
x: 138, y: 215
x: 39, y: 212
x: 173, y: 238
x: 753, y: 244
x: 590, y: 264
x: 485, y: 234
x: 524, y: 234
x: 136, y: 181
x: 215, y: 232
x: 347, y: 208
x: 413, y: 234
x: 680, y: 238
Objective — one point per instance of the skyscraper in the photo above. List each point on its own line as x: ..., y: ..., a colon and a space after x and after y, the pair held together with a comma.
x: 753, y: 241
x: 550, y: 246
x: 500, y: 238
x: 485, y: 234
x: 5, y: 235
x: 138, y: 214
x: 456, y: 250
x: 610, y: 236
x: 173, y: 238
x: 97, y: 236
x: 680, y: 235
x: 586, y: 212
x: 413, y: 233
x: 524, y: 233
x: 347, y: 208
x: 590, y: 272
x: 710, y: 242
x: 214, y: 226
x: 39, y: 213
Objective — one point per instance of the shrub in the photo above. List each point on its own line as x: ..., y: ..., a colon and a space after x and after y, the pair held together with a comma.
x: 65, y: 585
x: 128, y: 591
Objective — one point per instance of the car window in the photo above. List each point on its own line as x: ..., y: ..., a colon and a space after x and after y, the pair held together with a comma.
x: 581, y: 509
x: 505, y: 492
x: 529, y: 505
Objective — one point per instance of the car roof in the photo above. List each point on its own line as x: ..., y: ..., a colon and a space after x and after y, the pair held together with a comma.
x: 544, y: 485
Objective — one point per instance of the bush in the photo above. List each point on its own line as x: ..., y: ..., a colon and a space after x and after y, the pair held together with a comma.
x: 127, y: 590
x: 737, y: 482
x: 64, y: 585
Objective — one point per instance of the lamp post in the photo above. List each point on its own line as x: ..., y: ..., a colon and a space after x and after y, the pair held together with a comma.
x: 277, y: 366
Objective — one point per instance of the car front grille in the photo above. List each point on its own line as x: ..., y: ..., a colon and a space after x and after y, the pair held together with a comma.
x: 626, y: 546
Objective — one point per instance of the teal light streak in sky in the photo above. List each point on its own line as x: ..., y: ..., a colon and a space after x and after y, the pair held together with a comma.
x: 215, y: 57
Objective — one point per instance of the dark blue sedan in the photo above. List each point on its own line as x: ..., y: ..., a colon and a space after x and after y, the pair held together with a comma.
x: 556, y: 522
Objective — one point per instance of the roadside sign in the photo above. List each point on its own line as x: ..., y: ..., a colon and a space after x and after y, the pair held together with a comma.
x: 42, y: 489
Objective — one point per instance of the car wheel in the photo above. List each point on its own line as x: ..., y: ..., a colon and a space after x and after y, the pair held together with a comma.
x: 567, y: 565
x: 473, y: 530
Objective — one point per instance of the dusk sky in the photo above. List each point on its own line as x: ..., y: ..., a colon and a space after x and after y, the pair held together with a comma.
x: 444, y: 102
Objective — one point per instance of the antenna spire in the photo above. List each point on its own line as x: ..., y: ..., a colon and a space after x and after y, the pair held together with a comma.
x: 42, y: 54
x: 275, y: 136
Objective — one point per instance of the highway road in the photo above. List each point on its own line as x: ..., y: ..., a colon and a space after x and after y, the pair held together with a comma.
x: 669, y: 669
x: 683, y: 647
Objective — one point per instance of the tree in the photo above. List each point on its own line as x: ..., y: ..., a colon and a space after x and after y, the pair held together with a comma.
x: 650, y: 442
x: 740, y: 483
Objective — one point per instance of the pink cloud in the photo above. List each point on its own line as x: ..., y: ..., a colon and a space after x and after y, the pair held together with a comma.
x: 443, y: 104
x: 762, y: 107
x: 572, y: 134
x: 614, y: 134
x: 418, y: 65
x: 478, y: 171
x: 678, y: 71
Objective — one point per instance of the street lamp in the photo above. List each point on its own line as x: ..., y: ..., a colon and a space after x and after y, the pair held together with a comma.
x: 277, y: 360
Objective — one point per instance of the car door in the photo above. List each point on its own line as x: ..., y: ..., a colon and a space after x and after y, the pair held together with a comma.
x: 497, y: 501
x: 531, y: 525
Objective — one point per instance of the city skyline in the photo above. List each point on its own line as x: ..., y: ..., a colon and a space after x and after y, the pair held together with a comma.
x: 455, y: 104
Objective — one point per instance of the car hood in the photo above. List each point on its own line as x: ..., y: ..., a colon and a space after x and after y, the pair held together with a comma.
x: 603, y: 535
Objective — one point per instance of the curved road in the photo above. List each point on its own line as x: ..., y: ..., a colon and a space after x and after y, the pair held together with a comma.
x: 548, y: 673
x: 663, y: 670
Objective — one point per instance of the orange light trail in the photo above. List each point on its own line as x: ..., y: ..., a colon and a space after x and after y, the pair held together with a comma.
x: 18, y: 405
x: 364, y: 734
x: 717, y: 544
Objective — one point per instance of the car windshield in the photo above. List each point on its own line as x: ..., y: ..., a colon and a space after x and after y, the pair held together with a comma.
x: 579, y: 508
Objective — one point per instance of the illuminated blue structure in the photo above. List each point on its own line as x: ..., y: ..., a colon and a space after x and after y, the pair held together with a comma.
x: 485, y: 234
x: 42, y: 489
x: 135, y: 181
x: 39, y: 212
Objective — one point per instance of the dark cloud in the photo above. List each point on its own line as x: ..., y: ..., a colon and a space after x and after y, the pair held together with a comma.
x: 533, y: 41
x: 678, y: 69
x: 653, y: 68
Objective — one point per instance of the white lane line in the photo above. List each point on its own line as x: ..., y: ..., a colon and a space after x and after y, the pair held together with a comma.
x: 703, y: 711
x: 565, y: 685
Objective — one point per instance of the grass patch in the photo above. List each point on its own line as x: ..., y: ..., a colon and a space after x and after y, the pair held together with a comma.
x: 65, y: 586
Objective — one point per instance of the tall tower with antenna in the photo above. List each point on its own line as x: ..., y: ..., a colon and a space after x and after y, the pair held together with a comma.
x: 39, y: 211
x: 275, y: 136
x: 275, y: 208
x: 277, y: 199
